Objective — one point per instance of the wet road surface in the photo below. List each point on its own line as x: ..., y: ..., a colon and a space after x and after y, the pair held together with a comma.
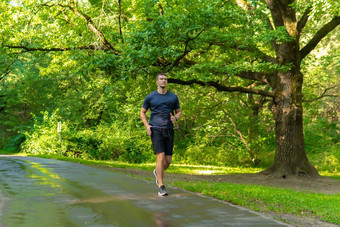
x: 44, y: 192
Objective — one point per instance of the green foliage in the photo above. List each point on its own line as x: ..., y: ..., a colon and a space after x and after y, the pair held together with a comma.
x: 321, y: 117
x: 105, y: 142
x: 43, y: 137
x: 319, y: 135
x: 14, y: 143
x: 97, y: 94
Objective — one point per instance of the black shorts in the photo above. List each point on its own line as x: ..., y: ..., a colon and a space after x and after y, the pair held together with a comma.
x: 162, y: 140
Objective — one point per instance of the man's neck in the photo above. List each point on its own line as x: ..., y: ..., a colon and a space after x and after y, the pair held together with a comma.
x: 162, y: 91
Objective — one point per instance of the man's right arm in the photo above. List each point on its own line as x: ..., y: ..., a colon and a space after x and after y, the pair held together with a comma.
x: 145, y: 121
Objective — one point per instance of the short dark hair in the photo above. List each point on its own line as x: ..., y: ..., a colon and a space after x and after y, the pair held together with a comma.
x: 160, y: 74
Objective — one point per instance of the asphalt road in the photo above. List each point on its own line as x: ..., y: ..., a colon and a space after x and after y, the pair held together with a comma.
x: 42, y: 192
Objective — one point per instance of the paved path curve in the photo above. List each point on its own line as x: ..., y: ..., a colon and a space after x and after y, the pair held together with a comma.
x: 44, y: 192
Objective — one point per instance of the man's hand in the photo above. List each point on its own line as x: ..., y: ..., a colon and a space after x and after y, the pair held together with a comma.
x: 173, y: 118
x: 148, y: 130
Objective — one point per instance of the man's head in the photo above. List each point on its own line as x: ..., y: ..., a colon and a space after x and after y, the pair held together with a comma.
x: 160, y: 74
x: 162, y: 80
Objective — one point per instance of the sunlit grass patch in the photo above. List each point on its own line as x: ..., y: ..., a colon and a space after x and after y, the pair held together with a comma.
x: 210, y: 170
x: 174, y: 168
x: 335, y: 176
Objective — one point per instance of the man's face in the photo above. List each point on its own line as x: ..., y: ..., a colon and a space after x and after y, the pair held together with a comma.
x: 162, y: 81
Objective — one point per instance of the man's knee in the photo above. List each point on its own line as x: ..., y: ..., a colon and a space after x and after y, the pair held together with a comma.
x: 160, y: 157
x: 168, y: 160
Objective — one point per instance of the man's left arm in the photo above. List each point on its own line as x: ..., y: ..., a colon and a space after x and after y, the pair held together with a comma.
x: 175, y: 118
x: 178, y: 114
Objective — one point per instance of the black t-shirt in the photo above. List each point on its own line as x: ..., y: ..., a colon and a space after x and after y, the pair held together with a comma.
x: 161, y: 106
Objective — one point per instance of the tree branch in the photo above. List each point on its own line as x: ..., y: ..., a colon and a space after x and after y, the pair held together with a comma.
x: 119, y: 20
x: 323, y: 94
x: 220, y: 87
x: 240, y: 134
x: 8, y: 69
x: 2, y: 108
x: 272, y: 42
x: 179, y: 58
x: 303, y: 21
x: 327, y: 28
x: 186, y: 51
x: 238, y: 131
x: 276, y: 11
x: 161, y: 10
x: 91, y: 26
x: 27, y: 49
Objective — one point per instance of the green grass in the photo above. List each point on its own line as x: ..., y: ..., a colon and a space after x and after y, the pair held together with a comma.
x: 175, y: 168
x: 210, y: 170
x: 336, y: 177
x: 9, y: 152
x: 268, y: 199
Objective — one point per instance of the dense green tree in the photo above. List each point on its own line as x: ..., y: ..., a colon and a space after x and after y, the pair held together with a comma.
x: 77, y: 53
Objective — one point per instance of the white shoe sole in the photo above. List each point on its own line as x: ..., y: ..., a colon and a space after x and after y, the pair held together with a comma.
x: 154, y: 173
x: 165, y: 194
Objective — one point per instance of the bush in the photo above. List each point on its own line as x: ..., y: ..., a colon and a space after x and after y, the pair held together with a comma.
x: 83, y: 144
x: 322, y: 144
x: 14, y: 143
x: 103, y: 142
x: 43, y: 137
x: 223, y: 155
x: 328, y: 160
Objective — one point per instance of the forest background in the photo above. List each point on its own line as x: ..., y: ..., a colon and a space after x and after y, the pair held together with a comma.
x: 90, y: 64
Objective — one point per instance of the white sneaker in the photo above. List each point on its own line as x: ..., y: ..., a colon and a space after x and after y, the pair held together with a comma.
x: 154, y: 173
x: 162, y: 191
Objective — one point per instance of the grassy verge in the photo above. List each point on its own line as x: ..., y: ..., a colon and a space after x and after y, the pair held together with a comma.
x: 259, y: 198
x: 9, y: 152
x: 175, y: 168
x: 268, y: 199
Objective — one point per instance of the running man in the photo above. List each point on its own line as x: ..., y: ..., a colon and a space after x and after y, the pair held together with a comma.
x: 162, y: 104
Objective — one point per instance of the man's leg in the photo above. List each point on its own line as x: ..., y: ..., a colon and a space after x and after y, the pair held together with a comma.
x: 160, y: 168
x: 167, y: 161
x: 163, y: 149
x: 168, y: 147
x: 163, y: 162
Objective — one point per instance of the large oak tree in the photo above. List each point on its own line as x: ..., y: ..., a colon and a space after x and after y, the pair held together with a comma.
x: 270, y: 37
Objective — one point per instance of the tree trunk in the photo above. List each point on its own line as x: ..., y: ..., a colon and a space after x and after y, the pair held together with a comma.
x: 290, y: 157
